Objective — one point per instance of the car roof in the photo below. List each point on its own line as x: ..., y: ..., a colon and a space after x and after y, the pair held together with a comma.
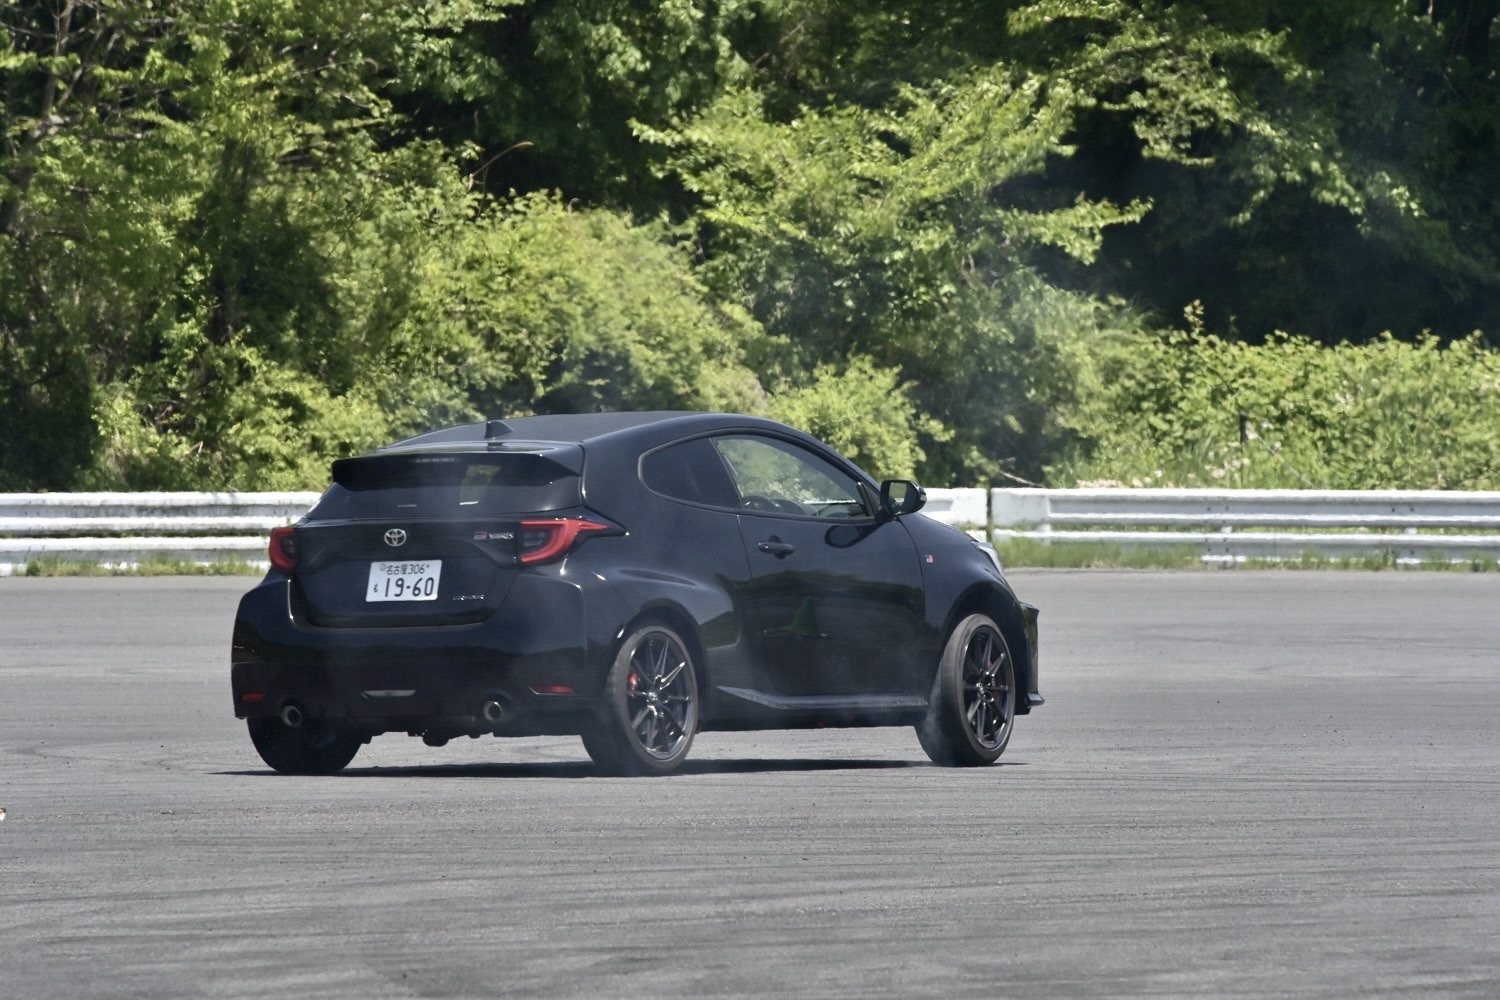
x: 576, y: 429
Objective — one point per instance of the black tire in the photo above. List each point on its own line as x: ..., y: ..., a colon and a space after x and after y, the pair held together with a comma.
x: 315, y: 747
x: 973, y: 705
x: 649, y: 713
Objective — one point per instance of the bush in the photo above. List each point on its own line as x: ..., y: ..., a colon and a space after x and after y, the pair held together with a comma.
x: 863, y: 411
x: 1381, y: 415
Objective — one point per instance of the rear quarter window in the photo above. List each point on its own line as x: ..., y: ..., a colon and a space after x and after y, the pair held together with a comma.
x: 691, y: 471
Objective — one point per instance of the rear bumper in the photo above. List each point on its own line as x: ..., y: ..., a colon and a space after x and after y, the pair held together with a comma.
x: 532, y: 668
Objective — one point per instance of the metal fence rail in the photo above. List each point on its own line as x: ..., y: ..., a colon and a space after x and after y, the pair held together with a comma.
x: 123, y: 529
x: 126, y: 529
x: 1409, y: 525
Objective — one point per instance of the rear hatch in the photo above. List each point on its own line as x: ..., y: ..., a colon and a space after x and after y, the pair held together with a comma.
x: 432, y: 538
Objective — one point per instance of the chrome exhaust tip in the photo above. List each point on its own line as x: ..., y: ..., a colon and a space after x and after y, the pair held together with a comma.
x: 292, y: 716
x: 493, y: 711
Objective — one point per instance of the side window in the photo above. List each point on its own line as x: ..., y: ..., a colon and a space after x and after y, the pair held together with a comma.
x: 690, y: 471
x: 776, y: 476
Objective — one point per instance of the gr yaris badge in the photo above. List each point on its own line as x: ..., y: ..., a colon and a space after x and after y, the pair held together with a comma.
x: 395, y: 538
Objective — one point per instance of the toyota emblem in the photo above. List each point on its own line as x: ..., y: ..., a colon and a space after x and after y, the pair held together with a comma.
x: 395, y: 538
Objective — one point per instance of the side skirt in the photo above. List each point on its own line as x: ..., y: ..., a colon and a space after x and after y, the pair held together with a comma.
x: 744, y: 708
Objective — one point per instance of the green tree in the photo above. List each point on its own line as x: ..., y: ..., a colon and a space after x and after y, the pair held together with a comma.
x: 230, y: 259
x: 1321, y: 167
x: 191, y: 188
x: 548, y: 308
x: 897, y: 234
x: 546, y: 93
x: 240, y: 237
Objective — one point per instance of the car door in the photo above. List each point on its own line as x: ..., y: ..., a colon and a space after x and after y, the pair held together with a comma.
x: 834, y: 599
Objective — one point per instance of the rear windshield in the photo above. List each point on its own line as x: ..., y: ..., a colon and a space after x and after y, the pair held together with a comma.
x: 439, y: 485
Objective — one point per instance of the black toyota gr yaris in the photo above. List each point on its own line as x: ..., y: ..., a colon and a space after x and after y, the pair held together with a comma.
x: 630, y: 577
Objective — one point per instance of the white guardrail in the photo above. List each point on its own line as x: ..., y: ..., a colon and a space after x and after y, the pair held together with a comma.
x: 126, y: 529
x: 1235, y: 525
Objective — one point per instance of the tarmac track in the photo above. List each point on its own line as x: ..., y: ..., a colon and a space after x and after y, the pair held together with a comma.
x: 1242, y: 785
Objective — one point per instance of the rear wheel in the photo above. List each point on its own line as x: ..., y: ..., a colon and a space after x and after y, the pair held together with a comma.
x: 650, y: 711
x: 315, y: 747
x: 973, y: 703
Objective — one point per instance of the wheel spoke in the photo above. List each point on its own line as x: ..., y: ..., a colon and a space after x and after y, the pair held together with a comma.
x: 976, y: 678
x: 986, y: 684
x: 663, y: 656
x: 668, y: 679
x: 674, y: 728
x: 644, y: 665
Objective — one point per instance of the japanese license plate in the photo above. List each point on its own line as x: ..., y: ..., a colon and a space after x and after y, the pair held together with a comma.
x: 404, y: 581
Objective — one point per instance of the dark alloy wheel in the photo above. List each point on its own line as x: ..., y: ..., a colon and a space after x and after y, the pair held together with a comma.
x: 314, y: 747
x: 973, y: 702
x: 650, y: 711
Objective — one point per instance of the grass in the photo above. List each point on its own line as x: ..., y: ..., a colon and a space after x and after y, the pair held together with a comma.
x: 48, y: 566
x: 1096, y: 555
x: 1384, y: 561
x: 1028, y: 552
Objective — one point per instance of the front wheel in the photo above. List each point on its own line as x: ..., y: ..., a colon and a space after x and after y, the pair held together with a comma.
x: 315, y: 747
x: 650, y: 707
x: 973, y: 703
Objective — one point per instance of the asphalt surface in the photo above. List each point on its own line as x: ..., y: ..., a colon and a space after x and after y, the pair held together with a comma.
x: 1242, y: 785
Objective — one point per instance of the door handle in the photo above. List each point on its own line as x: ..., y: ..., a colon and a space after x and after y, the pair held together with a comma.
x: 777, y: 547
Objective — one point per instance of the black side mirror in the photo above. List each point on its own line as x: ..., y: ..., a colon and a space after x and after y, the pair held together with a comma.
x: 901, y: 496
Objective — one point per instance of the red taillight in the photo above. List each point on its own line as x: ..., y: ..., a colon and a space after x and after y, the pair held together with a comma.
x: 284, y: 548
x: 542, y: 540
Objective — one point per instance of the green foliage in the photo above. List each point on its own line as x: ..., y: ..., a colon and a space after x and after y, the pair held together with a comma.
x: 178, y: 253
x: 1310, y: 166
x: 239, y: 238
x: 816, y: 52
x: 891, y: 235
x: 864, y: 412
x: 549, y: 90
x: 230, y: 264
x: 52, y: 566
x: 1384, y: 415
x: 531, y: 307
x: 1027, y: 552
x: 579, y: 311
x: 1016, y: 552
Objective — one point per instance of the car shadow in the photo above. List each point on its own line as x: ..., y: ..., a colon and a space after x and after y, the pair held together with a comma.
x: 586, y: 769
